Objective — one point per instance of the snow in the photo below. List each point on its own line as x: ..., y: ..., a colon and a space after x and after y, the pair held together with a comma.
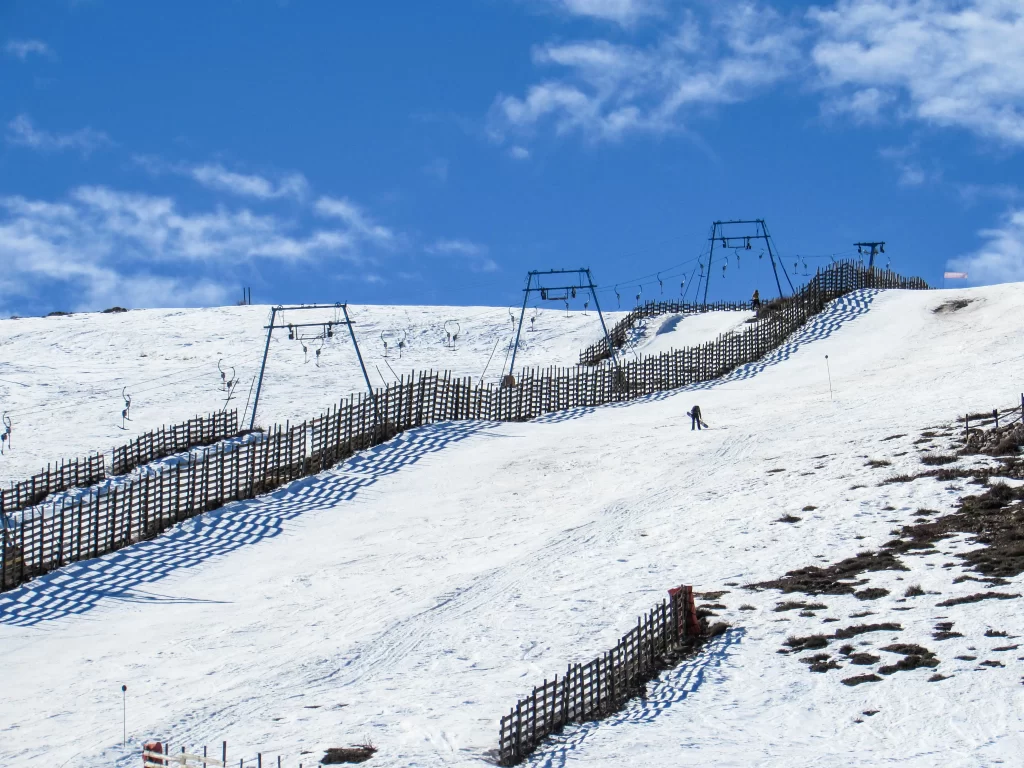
x: 410, y: 595
x: 61, y: 377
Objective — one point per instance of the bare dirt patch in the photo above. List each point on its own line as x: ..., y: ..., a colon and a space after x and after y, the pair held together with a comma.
x: 953, y: 305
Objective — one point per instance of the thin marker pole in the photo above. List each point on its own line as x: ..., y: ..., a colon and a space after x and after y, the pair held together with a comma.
x: 124, y: 713
x: 827, y: 368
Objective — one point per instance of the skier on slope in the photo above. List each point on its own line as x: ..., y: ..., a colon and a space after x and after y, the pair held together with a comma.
x: 695, y: 420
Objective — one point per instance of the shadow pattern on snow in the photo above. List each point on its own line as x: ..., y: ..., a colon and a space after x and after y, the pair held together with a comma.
x: 820, y: 327
x: 78, y: 588
x: 671, y: 687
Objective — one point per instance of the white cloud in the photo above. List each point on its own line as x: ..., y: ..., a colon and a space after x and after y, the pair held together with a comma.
x: 863, y: 106
x: 950, y: 63
x: 216, y: 177
x: 475, y: 253
x: 1001, y: 258
x: 22, y: 49
x: 624, y: 12
x: 519, y: 153
x: 21, y: 132
x: 247, y: 185
x: 608, y: 90
x: 110, y: 246
x: 360, y: 225
x: 912, y: 174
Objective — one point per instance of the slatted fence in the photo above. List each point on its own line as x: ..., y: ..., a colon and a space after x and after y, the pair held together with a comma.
x: 82, y: 473
x: 77, y: 473
x: 619, y: 332
x: 602, y: 686
x: 200, y: 431
x: 51, y: 535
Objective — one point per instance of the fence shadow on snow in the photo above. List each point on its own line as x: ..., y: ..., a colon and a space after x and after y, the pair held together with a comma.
x: 671, y: 687
x: 118, y: 576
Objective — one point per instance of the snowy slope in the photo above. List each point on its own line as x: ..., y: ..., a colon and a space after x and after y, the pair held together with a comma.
x: 411, y: 596
x: 61, y: 377
x: 667, y: 332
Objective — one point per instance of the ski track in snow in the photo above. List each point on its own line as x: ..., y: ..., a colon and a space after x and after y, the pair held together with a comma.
x: 413, y: 593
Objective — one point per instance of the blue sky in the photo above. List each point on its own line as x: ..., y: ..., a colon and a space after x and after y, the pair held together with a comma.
x: 165, y: 154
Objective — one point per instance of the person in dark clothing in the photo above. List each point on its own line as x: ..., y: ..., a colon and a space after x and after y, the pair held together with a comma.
x: 755, y: 300
x: 695, y: 420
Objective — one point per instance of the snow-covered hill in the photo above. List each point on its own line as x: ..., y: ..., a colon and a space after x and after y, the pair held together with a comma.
x: 61, y: 378
x: 411, y: 595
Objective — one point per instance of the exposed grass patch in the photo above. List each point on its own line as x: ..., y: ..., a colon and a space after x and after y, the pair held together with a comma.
x: 809, y: 643
x: 938, y: 459
x: 809, y: 508
x: 790, y: 605
x: 953, y: 305
x: 879, y: 463
x: 788, y: 518
x: 893, y: 437
x: 872, y: 593
x: 834, y: 579
x: 860, y: 629
x: 858, y: 679
x: 914, y: 591
x: 914, y: 657
x: 358, y: 753
x: 977, y: 598
x: 710, y: 595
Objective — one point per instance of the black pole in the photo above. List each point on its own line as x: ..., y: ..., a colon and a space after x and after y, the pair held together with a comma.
x: 124, y: 713
x: 771, y: 256
x: 263, y: 366
x: 607, y: 338
x: 366, y: 377
x: 711, y: 255
x: 519, y: 329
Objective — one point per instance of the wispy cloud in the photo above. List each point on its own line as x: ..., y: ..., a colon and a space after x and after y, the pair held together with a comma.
x: 218, y: 178
x: 475, y: 254
x: 250, y: 185
x: 22, y: 132
x: 22, y: 49
x: 623, y: 12
x: 358, y: 222
x: 519, y: 153
x: 606, y: 90
x: 911, y: 172
x: 950, y: 63
x: 112, y: 246
x: 1001, y: 258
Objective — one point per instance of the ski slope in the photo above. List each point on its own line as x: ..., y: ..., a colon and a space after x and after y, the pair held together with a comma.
x: 61, y: 378
x: 672, y: 331
x: 412, y: 594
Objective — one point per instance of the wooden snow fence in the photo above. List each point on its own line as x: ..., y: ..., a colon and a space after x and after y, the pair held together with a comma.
x: 166, y: 441
x: 53, y: 534
x: 619, y: 332
x: 600, y: 687
x: 84, y: 472
x: 76, y: 473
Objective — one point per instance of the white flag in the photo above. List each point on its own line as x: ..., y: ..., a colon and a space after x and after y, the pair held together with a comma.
x: 955, y: 275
